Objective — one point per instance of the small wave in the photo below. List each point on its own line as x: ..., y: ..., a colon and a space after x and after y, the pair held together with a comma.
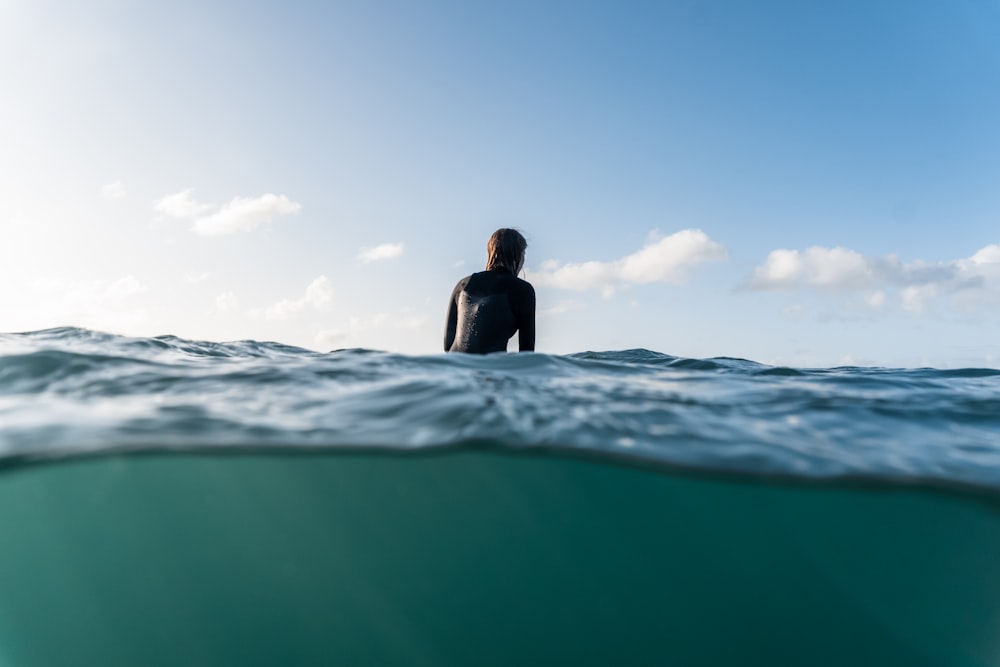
x: 781, y: 371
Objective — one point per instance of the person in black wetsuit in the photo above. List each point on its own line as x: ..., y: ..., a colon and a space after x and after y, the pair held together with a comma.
x: 486, y: 308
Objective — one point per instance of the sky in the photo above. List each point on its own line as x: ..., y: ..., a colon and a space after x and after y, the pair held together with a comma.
x: 797, y: 183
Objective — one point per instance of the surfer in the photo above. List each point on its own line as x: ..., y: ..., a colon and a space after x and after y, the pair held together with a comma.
x: 487, y: 307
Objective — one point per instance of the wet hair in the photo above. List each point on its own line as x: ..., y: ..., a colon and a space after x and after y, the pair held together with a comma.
x: 505, y: 249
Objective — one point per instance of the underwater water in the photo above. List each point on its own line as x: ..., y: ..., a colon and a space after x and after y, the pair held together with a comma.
x: 166, y: 501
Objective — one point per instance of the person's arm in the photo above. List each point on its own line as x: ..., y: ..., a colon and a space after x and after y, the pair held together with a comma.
x: 452, y: 322
x: 526, y: 320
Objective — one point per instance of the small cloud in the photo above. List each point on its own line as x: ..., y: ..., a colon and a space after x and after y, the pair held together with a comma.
x: 820, y: 267
x: 226, y: 302
x: 561, y: 307
x: 983, y: 267
x: 458, y: 264
x: 782, y: 267
x: 664, y: 260
x: 917, y: 298
x: 245, y: 213
x: 581, y: 276
x: 987, y: 255
x: 239, y: 215
x: 379, y: 252
x: 876, y: 299
x: 318, y: 296
x: 181, y: 205
x: 667, y: 260
x: 114, y: 191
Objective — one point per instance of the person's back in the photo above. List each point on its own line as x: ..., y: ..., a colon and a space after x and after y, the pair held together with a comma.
x: 488, y: 307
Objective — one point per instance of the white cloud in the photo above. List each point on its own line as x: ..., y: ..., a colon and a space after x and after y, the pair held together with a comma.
x: 384, y: 251
x: 181, y: 205
x: 318, y: 296
x: 844, y: 269
x: 984, y: 265
x: 226, y: 302
x: 319, y: 293
x: 916, y: 298
x: 917, y: 285
x: 876, y: 299
x: 583, y: 276
x: 668, y: 259
x: 560, y: 308
x: 114, y: 191
x: 665, y: 260
x: 240, y: 215
x: 987, y: 255
x: 245, y: 213
x: 817, y: 266
x: 782, y: 266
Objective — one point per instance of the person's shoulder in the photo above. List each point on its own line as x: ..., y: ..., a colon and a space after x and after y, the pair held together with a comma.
x: 473, y: 279
x: 523, y: 286
x: 461, y: 284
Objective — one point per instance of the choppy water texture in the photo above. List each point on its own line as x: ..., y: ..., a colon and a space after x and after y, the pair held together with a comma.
x: 158, y: 508
x: 71, y: 391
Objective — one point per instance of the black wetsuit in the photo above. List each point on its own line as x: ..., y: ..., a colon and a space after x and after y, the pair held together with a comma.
x: 486, y: 309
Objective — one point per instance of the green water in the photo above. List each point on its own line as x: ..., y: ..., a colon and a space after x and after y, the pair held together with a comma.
x: 482, y: 558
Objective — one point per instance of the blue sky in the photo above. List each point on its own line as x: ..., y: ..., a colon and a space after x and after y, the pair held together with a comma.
x: 792, y: 182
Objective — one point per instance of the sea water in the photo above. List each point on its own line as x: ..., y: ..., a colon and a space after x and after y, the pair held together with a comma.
x: 174, y: 502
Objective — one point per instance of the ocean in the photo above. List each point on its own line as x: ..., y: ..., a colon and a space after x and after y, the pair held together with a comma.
x: 176, y: 502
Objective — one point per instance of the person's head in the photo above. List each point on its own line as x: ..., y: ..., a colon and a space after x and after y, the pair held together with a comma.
x: 505, y: 249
